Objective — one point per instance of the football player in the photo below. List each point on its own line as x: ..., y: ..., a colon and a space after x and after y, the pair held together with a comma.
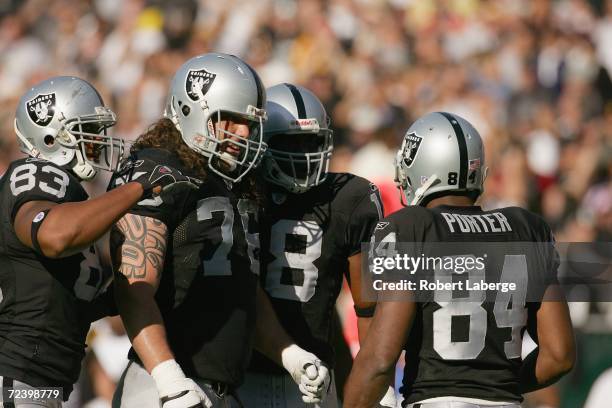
x: 313, y: 227
x: 463, y: 351
x: 49, y: 276
x: 188, y: 284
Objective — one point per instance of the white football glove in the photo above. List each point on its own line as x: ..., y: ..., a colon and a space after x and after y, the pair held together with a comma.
x: 175, y: 390
x: 388, y: 400
x: 308, y: 372
x: 315, y: 383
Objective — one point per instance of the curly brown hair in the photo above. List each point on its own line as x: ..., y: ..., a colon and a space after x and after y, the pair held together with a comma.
x: 164, y: 135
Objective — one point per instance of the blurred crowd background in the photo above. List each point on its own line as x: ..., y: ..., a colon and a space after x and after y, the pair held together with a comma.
x: 534, y: 77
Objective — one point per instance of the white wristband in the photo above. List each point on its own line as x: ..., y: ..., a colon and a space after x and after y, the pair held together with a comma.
x: 166, y: 374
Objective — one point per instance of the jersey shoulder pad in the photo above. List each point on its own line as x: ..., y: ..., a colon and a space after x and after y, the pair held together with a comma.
x: 350, y: 185
x: 33, y: 179
x: 159, y: 156
x: 406, y: 222
x: 168, y: 207
x: 350, y: 189
x: 413, y: 214
x: 533, y: 226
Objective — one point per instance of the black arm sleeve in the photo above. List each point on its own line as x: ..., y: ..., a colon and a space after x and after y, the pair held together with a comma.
x: 363, y: 218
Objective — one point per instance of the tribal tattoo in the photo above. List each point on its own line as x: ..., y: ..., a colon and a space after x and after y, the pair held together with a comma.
x: 139, y: 246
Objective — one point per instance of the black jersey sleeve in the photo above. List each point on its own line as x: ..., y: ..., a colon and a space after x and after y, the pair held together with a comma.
x: 544, y: 266
x: 166, y: 207
x: 404, y: 230
x: 551, y: 258
x: 384, y: 238
x: 404, y: 233
x: 409, y: 223
x: 364, y: 215
x: 384, y: 230
x: 41, y: 180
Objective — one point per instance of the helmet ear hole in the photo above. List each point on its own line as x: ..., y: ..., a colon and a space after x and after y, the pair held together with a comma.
x: 186, y: 110
x: 49, y: 140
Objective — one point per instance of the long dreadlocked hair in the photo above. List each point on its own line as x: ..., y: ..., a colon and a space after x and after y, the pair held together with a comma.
x: 164, y: 135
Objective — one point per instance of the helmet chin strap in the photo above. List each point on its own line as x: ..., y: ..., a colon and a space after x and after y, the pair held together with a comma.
x: 402, y: 195
x: 82, y: 169
x: 420, y: 192
x: 171, y: 114
x: 32, y: 151
x: 400, y: 182
x: 229, y: 160
x: 275, y: 175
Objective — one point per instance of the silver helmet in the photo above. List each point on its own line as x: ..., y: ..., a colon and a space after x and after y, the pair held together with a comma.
x: 210, y: 88
x: 64, y: 120
x: 441, y: 153
x: 299, y: 139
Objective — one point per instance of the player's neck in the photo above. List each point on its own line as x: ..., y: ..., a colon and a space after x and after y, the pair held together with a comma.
x: 456, y: 201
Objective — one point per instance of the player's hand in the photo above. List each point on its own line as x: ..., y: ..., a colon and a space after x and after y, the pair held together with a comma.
x: 175, y: 390
x: 388, y: 400
x: 154, y: 178
x: 163, y: 179
x: 185, y: 394
x: 315, y: 383
x: 308, y: 372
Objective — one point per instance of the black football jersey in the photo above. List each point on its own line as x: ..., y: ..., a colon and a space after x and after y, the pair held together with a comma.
x: 471, y: 348
x: 46, y: 305
x: 208, y: 287
x: 306, y: 242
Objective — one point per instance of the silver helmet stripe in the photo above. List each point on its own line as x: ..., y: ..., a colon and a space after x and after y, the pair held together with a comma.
x: 463, y: 153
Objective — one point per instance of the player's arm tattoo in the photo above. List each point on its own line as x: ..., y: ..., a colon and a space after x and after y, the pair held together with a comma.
x: 138, y: 246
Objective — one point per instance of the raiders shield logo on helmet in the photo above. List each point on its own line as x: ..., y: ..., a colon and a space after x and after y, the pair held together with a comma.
x: 411, y: 148
x: 198, y: 83
x: 41, y: 108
